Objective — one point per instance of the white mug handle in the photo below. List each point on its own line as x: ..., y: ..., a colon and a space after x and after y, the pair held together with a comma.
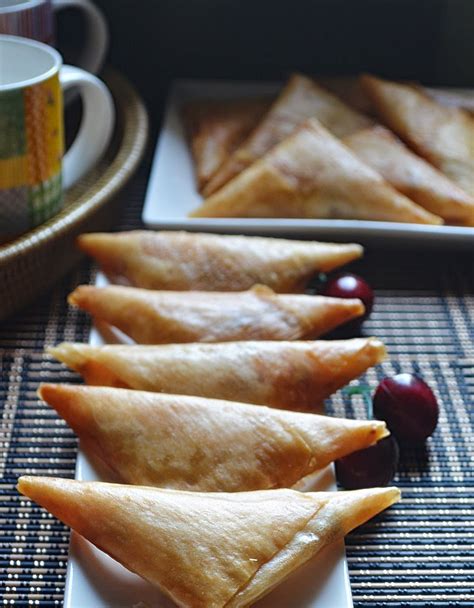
x: 95, y: 130
x: 97, y: 35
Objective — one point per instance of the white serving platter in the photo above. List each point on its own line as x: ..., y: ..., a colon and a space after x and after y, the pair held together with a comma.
x: 95, y: 580
x: 172, y: 193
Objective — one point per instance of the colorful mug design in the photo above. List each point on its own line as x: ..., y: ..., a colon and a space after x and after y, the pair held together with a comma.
x: 35, y: 19
x: 33, y: 171
x: 31, y: 150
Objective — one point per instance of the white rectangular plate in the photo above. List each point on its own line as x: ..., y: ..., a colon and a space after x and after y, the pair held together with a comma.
x: 95, y: 580
x: 172, y: 193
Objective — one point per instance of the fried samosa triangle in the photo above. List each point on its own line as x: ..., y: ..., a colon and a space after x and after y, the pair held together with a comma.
x: 180, y: 261
x: 349, y: 89
x: 207, y: 550
x: 191, y: 443
x: 287, y: 375
x: 300, y: 99
x: 161, y: 317
x: 443, y: 135
x: 216, y: 128
x: 412, y: 175
x: 311, y: 174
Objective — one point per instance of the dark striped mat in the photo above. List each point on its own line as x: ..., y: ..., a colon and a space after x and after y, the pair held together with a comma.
x: 419, y: 553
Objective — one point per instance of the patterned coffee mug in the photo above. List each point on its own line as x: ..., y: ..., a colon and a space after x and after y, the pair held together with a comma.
x: 33, y: 170
x: 34, y: 19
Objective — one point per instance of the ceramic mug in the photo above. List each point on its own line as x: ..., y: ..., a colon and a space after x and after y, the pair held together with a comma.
x: 33, y: 167
x: 34, y: 19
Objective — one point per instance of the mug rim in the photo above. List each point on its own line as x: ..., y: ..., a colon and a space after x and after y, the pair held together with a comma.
x: 58, y: 62
x: 21, y: 6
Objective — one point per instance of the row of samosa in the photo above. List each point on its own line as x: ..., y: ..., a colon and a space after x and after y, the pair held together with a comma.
x: 311, y: 155
x: 210, y: 433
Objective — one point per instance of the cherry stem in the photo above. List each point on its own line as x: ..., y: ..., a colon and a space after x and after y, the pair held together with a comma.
x: 364, y: 390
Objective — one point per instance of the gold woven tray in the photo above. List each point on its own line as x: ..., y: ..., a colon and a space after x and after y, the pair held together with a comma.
x: 30, y: 264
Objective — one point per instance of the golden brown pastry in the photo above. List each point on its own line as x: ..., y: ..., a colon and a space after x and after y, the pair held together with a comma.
x: 288, y: 375
x: 216, y: 128
x: 350, y: 90
x: 311, y: 174
x: 161, y: 317
x: 300, y: 99
x: 412, y: 175
x: 443, y: 135
x: 459, y: 98
x: 192, y: 443
x: 207, y: 550
x: 212, y: 262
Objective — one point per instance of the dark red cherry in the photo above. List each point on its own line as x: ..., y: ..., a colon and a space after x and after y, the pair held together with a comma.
x: 408, y: 406
x: 369, y: 468
x: 350, y: 286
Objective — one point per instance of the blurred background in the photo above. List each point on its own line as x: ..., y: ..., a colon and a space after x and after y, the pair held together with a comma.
x: 153, y: 41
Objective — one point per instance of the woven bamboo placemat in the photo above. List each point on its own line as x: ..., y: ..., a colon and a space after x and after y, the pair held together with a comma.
x: 419, y: 553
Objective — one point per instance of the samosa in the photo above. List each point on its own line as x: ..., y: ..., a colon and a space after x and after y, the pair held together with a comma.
x: 412, y: 175
x: 349, y: 89
x: 300, y: 99
x: 160, y: 317
x: 208, y: 445
x: 207, y: 550
x: 311, y: 174
x: 180, y: 261
x: 443, y: 135
x: 287, y: 375
x: 216, y: 128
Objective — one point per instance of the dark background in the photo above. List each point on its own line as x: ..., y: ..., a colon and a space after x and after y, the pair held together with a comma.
x: 153, y: 41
